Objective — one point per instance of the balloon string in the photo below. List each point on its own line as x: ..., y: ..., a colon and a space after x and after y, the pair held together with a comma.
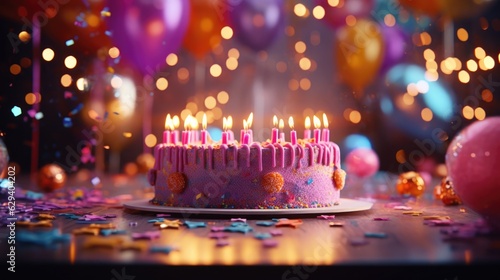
x: 36, y: 105
x: 449, y: 33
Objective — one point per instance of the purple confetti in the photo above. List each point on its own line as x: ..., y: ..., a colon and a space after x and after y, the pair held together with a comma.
x: 150, y: 235
x: 276, y: 232
x: 217, y: 235
x: 217, y: 228
x: 381, y: 219
x: 269, y: 243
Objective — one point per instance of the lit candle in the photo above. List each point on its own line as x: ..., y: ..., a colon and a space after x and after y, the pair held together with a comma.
x: 274, y: 132
x: 307, y: 131
x: 326, y: 131
x: 249, y: 129
x: 204, y: 130
x: 293, y: 133
x: 229, y: 126
x: 246, y: 136
x: 224, y: 131
x: 317, y: 131
x: 186, y: 133
x: 166, y: 132
x: 175, y: 132
x: 282, y: 134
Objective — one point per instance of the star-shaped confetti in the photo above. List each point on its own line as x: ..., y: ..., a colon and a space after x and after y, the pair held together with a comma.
x: 265, y: 223
x: 42, y: 223
x: 102, y: 226
x: 46, y: 216
x: 44, y: 238
x: 86, y: 231
x: 192, y: 224
x: 289, y: 223
x: 413, y: 212
x: 239, y: 227
x: 169, y: 224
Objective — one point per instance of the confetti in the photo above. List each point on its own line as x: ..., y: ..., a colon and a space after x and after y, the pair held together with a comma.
x: 46, y: 216
x: 413, y: 213
x: 238, y: 220
x: 402, y: 207
x: 239, y: 227
x: 133, y: 224
x: 150, y: 235
x: 107, y: 232
x: 86, y: 231
x: 175, y: 224
x: 103, y: 242
x: 269, y: 243
x: 265, y: 223
x: 381, y: 219
x: 157, y: 220
x: 222, y: 242
x: 162, y: 249
x: 191, y: 224
x: 336, y: 224
x: 376, y: 234
x: 262, y: 235
x: 44, y: 238
x: 217, y: 235
x: 16, y: 111
x: 326, y: 217
x: 289, y: 223
x: 217, y: 228
x: 276, y: 232
x: 42, y: 223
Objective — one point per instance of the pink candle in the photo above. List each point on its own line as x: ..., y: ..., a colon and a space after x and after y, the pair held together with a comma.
x: 274, y: 132
x: 204, y: 136
x: 175, y: 131
x: 293, y: 133
x: 186, y: 134
x: 307, y: 131
x: 224, y: 131
x: 166, y: 132
x: 244, y: 132
x: 326, y: 131
x: 174, y: 135
x: 249, y: 127
x: 317, y: 131
x: 282, y: 134
x: 246, y: 139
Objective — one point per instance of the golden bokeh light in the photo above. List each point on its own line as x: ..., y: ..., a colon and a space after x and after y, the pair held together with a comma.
x: 389, y: 20
x: 233, y: 53
x: 70, y: 62
x: 172, y: 59
x: 305, y: 84
x: 15, y: 69
x: 162, y: 83
x: 305, y: 63
x: 66, y: 80
x: 355, y: 116
x: 226, y: 32
x: 468, y: 112
x: 472, y: 65
x: 150, y: 140
x: 293, y: 84
x: 231, y: 63
x: 114, y: 52
x: 462, y: 34
x: 215, y: 70
x: 48, y: 54
x: 463, y: 76
x: 210, y: 102
x: 300, y: 47
x: 24, y: 36
x: 429, y: 54
x: 479, y: 113
x: 318, y: 12
x: 479, y: 53
x: 426, y: 114
x: 487, y: 95
x: 222, y: 97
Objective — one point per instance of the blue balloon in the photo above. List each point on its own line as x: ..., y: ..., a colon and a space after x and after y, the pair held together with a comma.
x: 405, y: 112
x: 354, y: 141
x: 405, y: 19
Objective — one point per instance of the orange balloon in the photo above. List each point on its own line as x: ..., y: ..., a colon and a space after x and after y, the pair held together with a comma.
x: 359, y: 53
x: 205, y: 24
x: 429, y: 7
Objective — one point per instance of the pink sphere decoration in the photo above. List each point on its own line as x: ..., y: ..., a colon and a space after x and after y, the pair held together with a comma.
x: 473, y: 163
x: 362, y: 162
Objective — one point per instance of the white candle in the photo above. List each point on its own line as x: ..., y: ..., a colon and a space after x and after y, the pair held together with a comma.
x: 307, y: 131
x: 229, y: 126
x: 326, y: 131
x: 175, y: 132
x: 274, y: 132
x: 293, y: 133
x: 317, y: 131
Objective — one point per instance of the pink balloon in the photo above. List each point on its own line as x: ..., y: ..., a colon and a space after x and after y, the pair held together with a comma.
x: 335, y: 16
x: 473, y: 163
x: 362, y: 162
x: 147, y: 31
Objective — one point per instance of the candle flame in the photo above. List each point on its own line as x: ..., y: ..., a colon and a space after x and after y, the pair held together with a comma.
x: 245, y: 125
x: 275, y: 121
x: 194, y: 123
x: 282, y: 124
x: 229, y: 122
x: 175, y: 121
x: 204, y: 121
x: 308, y: 122
x: 224, y: 123
x: 325, y: 121
x: 317, y: 122
x: 187, y: 123
x: 168, y: 121
x: 250, y: 120
x: 290, y: 122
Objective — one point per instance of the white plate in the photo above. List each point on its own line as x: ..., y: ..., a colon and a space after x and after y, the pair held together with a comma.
x: 345, y: 205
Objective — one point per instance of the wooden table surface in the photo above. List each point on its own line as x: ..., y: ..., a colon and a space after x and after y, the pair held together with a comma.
x: 383, y: 242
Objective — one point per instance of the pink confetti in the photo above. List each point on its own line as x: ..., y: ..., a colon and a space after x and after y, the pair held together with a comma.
x: 238, y: 220
x: 326, y: 217
x: 162, y: 215
x: 217, y: 235
x: 216, y: 229
x: 222, y: 242
x: 269, y: 243
x: 401, y: 207
x: 381, y: 219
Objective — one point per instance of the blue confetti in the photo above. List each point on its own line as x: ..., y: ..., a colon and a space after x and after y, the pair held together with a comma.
x: 16, y: 111
x: 375, y: 234
x: 191, y: 224
x: 107, y: 232
x: 310, y: 181
x: 162, y: 249
x: 77, y: 109
x: 70, y: 42
x: 265, y: 223
x: 262, y: 235
x: 44, y: 238
x: 67, y: 122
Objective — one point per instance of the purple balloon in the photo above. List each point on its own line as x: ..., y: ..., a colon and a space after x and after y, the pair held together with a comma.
x: 336, y: 16
x: 394, y: 46
x: 146, y: 31
x: 257, y: 23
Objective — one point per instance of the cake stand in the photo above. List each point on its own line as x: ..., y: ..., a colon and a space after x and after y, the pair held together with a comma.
x: 345, y: 205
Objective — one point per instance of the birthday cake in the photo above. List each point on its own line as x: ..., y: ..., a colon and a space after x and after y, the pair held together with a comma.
x: 305, y: 173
